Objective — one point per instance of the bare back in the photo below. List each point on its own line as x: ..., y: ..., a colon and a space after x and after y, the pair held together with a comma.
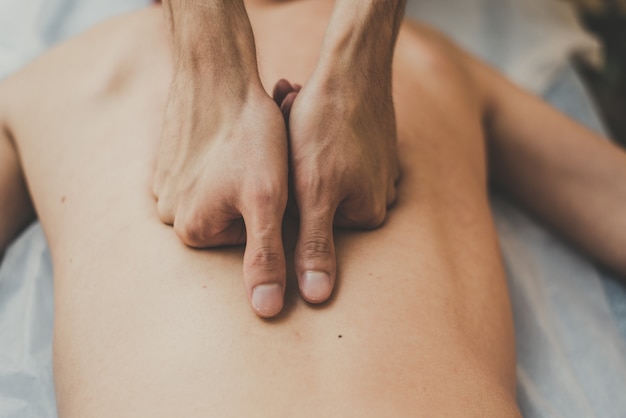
x: 420, y: 324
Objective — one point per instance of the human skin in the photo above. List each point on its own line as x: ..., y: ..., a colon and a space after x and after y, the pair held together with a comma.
x: 222, y: 177
x: 145, y: 326
x: 14, y: 199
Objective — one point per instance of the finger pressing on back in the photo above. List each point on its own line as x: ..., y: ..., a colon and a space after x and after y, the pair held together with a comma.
x: 264, y: 267
x: 315, y: 253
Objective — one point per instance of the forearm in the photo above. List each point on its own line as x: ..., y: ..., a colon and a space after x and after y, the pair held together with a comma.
x: 565, y: 174
x: 360, y: 39
x: 213, y: 43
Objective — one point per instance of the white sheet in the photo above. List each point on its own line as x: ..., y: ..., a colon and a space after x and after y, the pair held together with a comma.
x: 529, y: 40
x: 571, y: 356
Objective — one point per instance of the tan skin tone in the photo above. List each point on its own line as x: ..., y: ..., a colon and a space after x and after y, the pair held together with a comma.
x: 343, y: 142
x: 421, y: 325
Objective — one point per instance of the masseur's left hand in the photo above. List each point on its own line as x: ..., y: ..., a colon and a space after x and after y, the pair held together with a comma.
x: 344, y: 167
x: 342, y: 136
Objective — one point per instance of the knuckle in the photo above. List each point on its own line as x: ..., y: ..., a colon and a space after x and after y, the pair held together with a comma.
x: 263, y: 194
x: 391, y: 196
x: 317, y: 245
x: 160, y: 182
x: 263, y: 197
x: 269, y: 193
x: 315, y: 187
x: 265, y: 258
x: 165, y: 211
x: 370, y: 219
x: 377, y: 212
x: 377, y: 216
x: 397, y: 174
x: 193, y: 233
x: 367, y: 211
x: 156, y: 187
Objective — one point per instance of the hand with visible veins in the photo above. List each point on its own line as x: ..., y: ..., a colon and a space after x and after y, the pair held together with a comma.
x: 342, y: 136
x: 344, y: 168
x: 221, y: 176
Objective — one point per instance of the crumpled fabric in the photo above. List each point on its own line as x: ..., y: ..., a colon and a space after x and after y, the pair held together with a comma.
x: 528, y: 40
x: 570, y: 317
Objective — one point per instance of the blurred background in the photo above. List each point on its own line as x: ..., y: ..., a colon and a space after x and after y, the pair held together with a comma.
x: 607, y: 20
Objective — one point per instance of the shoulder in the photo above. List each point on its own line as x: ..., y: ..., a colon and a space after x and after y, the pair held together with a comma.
x: 439, y: 64
x: 103, y: 61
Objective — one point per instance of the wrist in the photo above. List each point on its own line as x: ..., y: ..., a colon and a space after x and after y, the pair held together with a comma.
x: 350, y: 47
x: 207, y: 86
x: 356, y: 81
x: 361, y: 38
x: 213, y: 41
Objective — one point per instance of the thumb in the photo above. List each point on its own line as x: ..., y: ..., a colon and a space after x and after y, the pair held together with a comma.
x: 315, y: 254
x: 264, y: 268
x: 284, y: 95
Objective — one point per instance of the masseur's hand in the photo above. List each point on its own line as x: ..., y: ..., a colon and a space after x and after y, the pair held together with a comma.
x: 221, y: 176
x: 343, y: 136
x: 344, y: 168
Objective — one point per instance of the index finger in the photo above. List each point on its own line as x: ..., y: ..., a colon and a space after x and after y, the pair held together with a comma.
x: 264, y: 268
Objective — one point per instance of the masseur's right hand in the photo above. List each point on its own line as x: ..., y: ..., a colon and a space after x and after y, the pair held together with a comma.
x: 221, y: 176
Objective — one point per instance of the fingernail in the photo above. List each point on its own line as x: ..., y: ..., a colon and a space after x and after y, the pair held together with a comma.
x: 267, y: 299
x: 315, y: 286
